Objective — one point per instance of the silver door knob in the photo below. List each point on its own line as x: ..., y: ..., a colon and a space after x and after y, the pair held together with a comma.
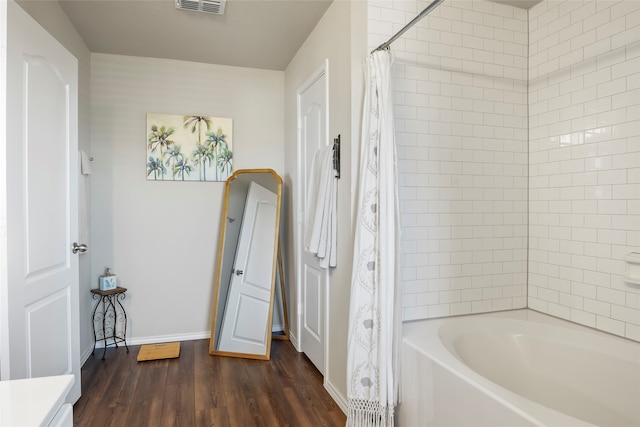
x: 239, y: 272
x: 82, y: 248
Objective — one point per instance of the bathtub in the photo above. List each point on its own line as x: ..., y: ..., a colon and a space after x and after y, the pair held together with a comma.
x: 517, y: 368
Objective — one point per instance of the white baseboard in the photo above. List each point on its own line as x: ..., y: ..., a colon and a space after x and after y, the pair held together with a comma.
x: 168, y: 338
x: 340, y: 400
x: 294, y: 341
x: 162, y: 338
x: 85, y: 356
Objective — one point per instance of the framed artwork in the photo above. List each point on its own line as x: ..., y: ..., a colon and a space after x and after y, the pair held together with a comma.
x: 189, y: 148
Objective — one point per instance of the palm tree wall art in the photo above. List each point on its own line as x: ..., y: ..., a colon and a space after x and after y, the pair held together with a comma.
x: 189, y: 148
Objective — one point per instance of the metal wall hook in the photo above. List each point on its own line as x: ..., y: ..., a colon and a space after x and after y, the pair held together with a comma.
x: 336, y: 156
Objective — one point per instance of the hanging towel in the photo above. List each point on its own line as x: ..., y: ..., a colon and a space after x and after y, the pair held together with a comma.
x: 83, y: 198
x: 320, y: 236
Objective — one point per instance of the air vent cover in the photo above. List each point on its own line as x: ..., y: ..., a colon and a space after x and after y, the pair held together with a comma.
x: 209, y: 6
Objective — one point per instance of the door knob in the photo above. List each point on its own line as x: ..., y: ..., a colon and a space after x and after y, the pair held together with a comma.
x: 82, y: 248
x: 239, y: 272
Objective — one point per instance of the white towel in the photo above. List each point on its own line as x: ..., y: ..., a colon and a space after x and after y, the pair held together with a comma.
x: 85, y: 163
x: 321, y: 230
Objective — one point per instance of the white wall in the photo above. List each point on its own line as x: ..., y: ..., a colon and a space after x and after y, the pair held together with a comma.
x: 161, y: 238
x: 4, y: 300
x: 584, y: 106
x: 50, y: 15
x: 332, y: 38
x: 461, y: 117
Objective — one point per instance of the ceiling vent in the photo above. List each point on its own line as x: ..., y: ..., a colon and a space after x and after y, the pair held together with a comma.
x: 209, y: 6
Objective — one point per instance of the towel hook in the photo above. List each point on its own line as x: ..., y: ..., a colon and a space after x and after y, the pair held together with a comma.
x: 336, y: 156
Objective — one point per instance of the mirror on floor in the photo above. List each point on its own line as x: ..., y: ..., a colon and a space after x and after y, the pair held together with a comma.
x: 249, y: 270
x: 280, y: 324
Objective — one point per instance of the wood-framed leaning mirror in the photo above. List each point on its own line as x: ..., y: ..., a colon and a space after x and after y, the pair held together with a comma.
x: 248, y: 265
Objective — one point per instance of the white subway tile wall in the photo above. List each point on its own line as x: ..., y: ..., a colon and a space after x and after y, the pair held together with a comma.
x: 461, y: 124
x: 584, y: 161
x: 519, y: 157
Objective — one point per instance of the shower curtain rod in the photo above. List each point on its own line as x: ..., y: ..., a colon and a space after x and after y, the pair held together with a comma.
x: 404, y: 29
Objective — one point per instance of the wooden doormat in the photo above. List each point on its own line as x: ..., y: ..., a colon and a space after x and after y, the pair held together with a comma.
x: 169, y: 350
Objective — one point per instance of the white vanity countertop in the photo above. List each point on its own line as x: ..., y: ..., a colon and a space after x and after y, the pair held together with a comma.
x: 32, y: 402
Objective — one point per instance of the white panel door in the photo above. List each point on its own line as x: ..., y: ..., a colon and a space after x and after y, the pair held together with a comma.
x: 42, y: 337
x: 246, y: 324
x: 312, y: 123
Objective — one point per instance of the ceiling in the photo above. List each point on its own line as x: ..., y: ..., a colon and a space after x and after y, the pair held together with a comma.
x: 252, y: 33
x: 262, y: 34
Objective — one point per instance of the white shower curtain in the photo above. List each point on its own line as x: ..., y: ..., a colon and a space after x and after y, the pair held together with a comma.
x: 374, y: 316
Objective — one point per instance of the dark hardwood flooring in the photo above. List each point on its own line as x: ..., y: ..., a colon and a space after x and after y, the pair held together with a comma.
x: 197, y: 389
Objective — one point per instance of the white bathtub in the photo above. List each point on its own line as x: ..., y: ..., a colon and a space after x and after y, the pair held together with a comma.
x: 517, y: 368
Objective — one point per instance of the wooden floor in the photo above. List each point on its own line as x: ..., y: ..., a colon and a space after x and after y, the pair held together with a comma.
x: 197, y: 389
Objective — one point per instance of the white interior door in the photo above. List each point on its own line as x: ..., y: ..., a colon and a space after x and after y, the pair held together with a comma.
x: 246, y: 324
x: 42, y: 335
x: 312, y: 280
